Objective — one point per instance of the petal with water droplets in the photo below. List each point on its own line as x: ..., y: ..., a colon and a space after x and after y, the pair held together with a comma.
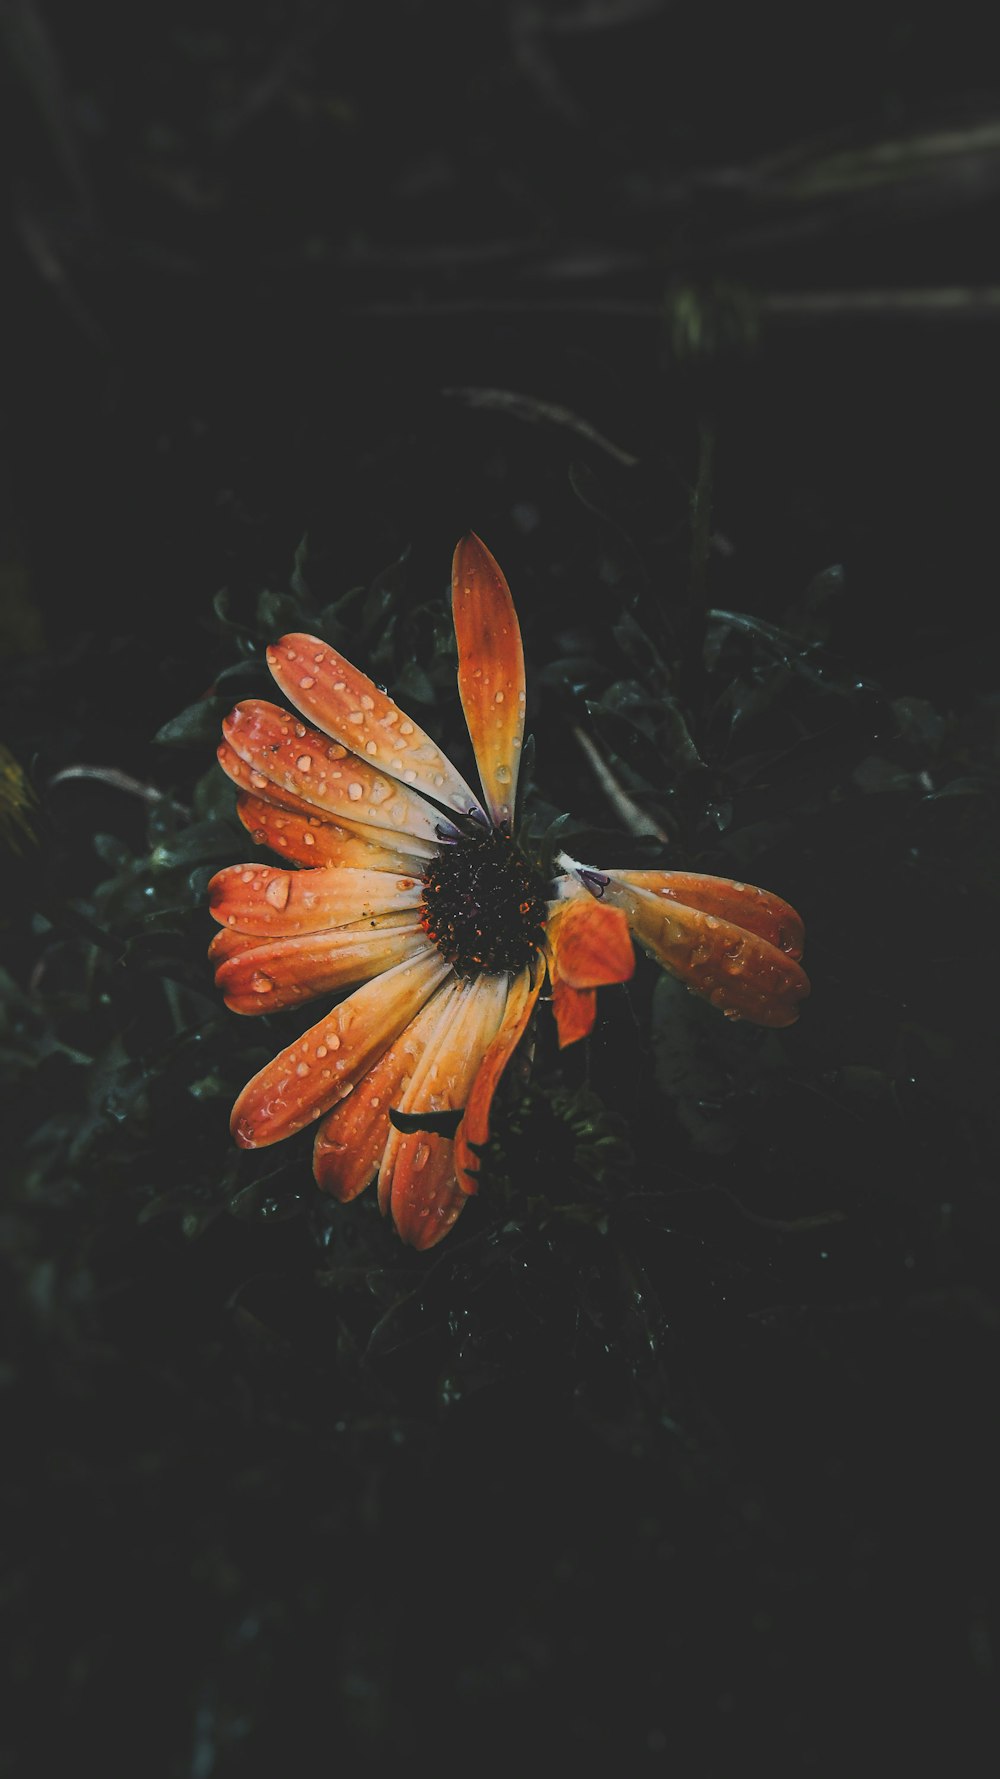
x: 356, y: 712
x: 323, y: 1066
x: 490, y: 672
x: 740, y: 973
x: 267, y: 900
x: 278, y: 973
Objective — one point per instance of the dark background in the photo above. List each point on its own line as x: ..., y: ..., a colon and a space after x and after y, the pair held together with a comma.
x: 678, y: 1454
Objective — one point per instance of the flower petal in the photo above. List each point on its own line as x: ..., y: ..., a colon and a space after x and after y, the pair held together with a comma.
x: 355, y: 711
x: 326, y: 1063
x: 311, y: 841
x: 475, y: 1126
x: 756, y: 910
x: 737, y: 970
x: 320, y: 773
x: 574, y: 1009
x: 283, y: 972
x: 490, y: 672
x: 417, y: 1177
x: 351, y: 1140
x: 265, y: 899
x: 590, y: 942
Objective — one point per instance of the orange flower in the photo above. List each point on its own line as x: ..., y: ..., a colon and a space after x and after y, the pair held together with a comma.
x: 417, y: 897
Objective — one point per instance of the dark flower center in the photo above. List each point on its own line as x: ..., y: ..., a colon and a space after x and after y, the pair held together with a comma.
x: 484, y: 905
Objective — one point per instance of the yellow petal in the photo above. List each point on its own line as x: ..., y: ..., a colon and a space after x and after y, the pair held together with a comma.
x: 490, y: 672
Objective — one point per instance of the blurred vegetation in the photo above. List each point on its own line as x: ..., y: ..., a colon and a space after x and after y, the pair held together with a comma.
x: 682, y: 1443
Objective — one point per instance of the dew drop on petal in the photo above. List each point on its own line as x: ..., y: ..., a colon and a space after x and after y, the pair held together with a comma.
x: 277, y: 892
x: 355, y: 790
x: 306, y: 681
x: 304, y: 762
x: 421, y: 1156
x: 261, y: 984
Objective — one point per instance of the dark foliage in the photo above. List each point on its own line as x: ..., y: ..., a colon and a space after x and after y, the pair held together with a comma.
x: 678, y: 1453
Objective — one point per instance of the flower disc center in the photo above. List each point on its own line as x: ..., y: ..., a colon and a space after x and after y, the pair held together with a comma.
x: 484, y: 905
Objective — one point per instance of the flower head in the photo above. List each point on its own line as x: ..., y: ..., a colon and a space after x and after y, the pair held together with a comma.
x: 414, y: 893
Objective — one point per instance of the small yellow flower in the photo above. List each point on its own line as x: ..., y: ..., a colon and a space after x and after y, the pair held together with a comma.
x: 416, y: 890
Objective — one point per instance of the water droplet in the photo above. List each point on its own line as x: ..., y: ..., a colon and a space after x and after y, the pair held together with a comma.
x: 355, y: 716
x: 277, y: 891
x: 498, y: 698
x: 306, y: 681
x: 375, y: 1102
x: 321, y: 1050
x: 367, y: 703
x: 303, y: 1069
x: 307, y: 840
x: 421, y: 1156
x: 406, y: 728
x: 304, y: 762
x: 410, y: 777
x: 258, y: 781
x: 261, y: 984
x: 503, y: 774
x: 355, y: 790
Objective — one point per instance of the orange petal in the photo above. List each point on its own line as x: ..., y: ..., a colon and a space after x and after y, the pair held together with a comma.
x: 475, y: 1126
x: 229, y: 943
x: 355, y: 711
x: 417, y: 1176
x: 590, y: 942
x: 490, y: 672
x: 575, y: 1011
x: 327, y: 1062
x: 309, y: 840
x: 739, y: 972
x: 351, y: 1140
x: 757, y: 910
x: 284, y: 972
x: 319, y: 773
x: 265, y: 899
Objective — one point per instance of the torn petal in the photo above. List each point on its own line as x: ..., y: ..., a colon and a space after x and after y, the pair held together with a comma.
x: 490, y: 672
x: 590, y: 942
x: 574, y: 1009
x: 417, y: 1178
x: 357, y: 713
x: 475, y: 1126
x: 351, y: 1140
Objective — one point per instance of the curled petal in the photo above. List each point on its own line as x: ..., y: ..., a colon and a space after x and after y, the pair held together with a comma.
x: 490, y: 672
x: 283, y: 972
x: 575, y: 1010
x: 309, y: 840
x: 327, y: 1062
x: 265, y: 899
x: 744, y: 975
x: 590, y: 942
x: 756, y: 910
x: 356, y: 712
x: 417, y: 1178
x: 474, y: 1129
x: 283, y: 755
x: 351, y: 1140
